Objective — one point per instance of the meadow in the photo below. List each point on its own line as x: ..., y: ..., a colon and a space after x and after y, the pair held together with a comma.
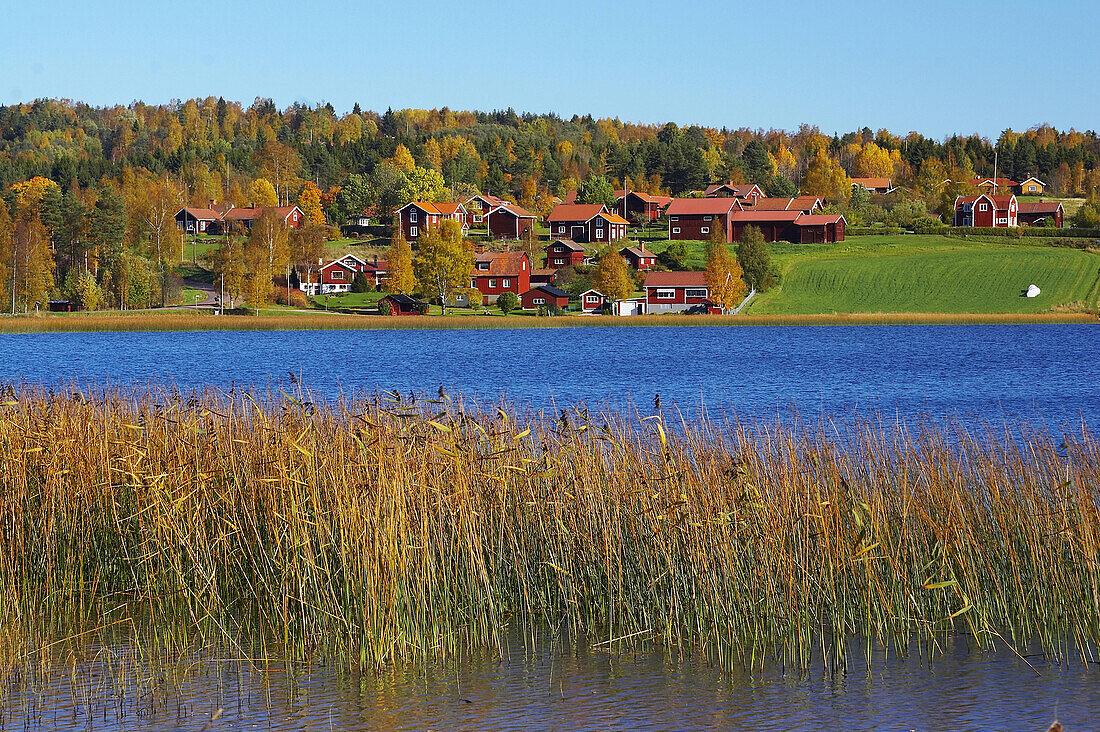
x: 386, y: 528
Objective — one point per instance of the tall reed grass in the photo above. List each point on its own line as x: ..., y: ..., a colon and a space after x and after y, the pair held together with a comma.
x: 382, y: 528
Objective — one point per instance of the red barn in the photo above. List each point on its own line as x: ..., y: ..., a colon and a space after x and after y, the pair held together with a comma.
x: 585, y: 223
x: 418, y: 217
x: 545, y: 296
x: 633, y: 205
x: 985, y: 210
x: 639, y: 257
x: 567, y: 253
x: 499, y: 272
x: 673, y: 292
x: 1039, y: 212
x: 819, y: 228
x: 509, y: 221
x: 695, y: 218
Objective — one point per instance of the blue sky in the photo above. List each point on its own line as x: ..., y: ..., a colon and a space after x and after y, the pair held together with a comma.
x: 935, y: 67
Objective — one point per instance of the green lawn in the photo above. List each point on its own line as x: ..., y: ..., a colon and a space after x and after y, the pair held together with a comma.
x: 351, y: 299
x: 929, y: 274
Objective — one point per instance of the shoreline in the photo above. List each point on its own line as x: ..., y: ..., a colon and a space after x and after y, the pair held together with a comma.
x: 147, y: 321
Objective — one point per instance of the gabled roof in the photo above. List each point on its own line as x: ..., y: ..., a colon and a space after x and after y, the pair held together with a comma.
x: 576, y: 212
x: 549, y: 290
x: 402, y: 299
x: 501, y: 264
x: 751, y: 216
x: 1030, y: 178
x: 517, y: 211
x: 999, y: 202
x: 739, y: 190
x: 818, y: 219
x: 871, y: 182
x: 568, y: 244
x: 647, y: 198
x: 613, y: 218
x: 704, y: 206
x: 1039, y: 207
x: 542, y: 272
x: 800, y: 203
x: 1001, y: 182
x: 638, y: 252
x: 676, y: 279
x: 336, y: 263
x: 449, y: 208
x: 254, y: 212
x: 202, y: 214
x: 593, y: 291
x: 488, y: 198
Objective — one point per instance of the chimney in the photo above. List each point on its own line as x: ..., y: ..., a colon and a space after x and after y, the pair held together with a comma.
x: 211, y: 203
x: 376, y: 261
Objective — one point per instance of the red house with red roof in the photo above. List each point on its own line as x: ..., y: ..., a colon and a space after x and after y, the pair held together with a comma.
x: 479, y: 206
x: 695, y: 218
x: 567, y: 253
x: 509, y: 221
x: 499, y: 272
x: 639, y: 257
x: 749, y: 192
x: 586, y: 223
x: 417, y: 217
x: 986, y: 210
x: 1038, y: 212
x: 673, y: 292
x: 633, y: 205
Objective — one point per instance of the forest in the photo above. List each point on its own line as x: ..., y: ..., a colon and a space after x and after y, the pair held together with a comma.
x: 90, y: 193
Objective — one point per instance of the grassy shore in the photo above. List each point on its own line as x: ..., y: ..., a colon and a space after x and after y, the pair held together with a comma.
x: 382, y: 529
x: 268, y: 320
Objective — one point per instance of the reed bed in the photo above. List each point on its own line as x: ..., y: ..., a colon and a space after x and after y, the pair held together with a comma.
x: 376, y: 529
x: 185, y: 320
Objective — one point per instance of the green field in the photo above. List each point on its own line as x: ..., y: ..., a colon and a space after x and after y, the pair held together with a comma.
x: 928, y: 274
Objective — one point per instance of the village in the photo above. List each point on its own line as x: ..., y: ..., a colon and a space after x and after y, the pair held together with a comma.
x: 517, y: 259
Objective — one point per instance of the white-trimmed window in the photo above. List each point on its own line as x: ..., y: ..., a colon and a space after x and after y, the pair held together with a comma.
x: 559, y: 261
x: 707, y: 218
x: 704, y: 229
x: 412, y: 231
x: 539, y: 300
x: 698, y: 292
x: 592, y: 298
x: 412, y: 216
x: 483, y: 266
x: 561, y: 229
x: 506, y: 283
x: 1002, y: 220
x: 599, y: 233
x: 337, y: 274
x: 477, y: 219
x: 675, y: 229
x: 473, y: 282
x: 673, y: 218
x: 492, y: 283
x: 666, y: 294
x: 983, y: 206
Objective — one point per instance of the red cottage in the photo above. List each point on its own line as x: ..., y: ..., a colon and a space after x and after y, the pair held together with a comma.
x: 695, y: 218
x: 585, y: 223
x: 1039, y: 212
x: 592, y: 300
x: 639, y: 257
x: 498, y: 272
x: 480, y: 205
x: 418, y: 217
x: 403, y: 304
x: 819, y: 228
x: 985, y: 210
x: 544, y: 296
x: 509, y: 221
x: 746, y: 192
x: 873, y: 185
x: 567, y: 253
x: 632, y: 205
x: 291, y: 216
x: 673, y: 292
x: 198, y: 221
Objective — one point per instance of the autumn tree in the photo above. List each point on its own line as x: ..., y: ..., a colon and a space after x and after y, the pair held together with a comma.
x: 280, y: 164
x: 266, y: 254
x: 402, y: 159
x: 444, y: 261
x: 873, y: 162
x: 262, y: 193
x: 154, y: 211
x: 724, y: 282
x: 353, y: 197
x: 309, y: 200
x: 612, y: 276
x: 824, y: 177
x: 596, y: 189
x: 307, y: 248
x: 33, y: 268
x: 423, y: 184
x: 7, y: 253
x: 230, y: 269
x: 399, y: 264
x: 29, y: 195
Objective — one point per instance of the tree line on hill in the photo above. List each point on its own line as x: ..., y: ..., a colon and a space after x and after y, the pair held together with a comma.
x: 89, y: 192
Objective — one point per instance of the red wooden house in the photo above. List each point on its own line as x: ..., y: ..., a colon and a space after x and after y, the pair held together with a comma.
x: 873, y: 185
x: 418, y: 217
x: 243, y: 218
x: 509, y: 221
x: 499, y: 272
x: 695, y: 218
x: 586, y: 223
x: 985, y: 210
x: 198, y: 221
x: 819, y: 228
x: 671, y: 292
x: 545, y: 296
x: 748, y: 192
x: 479, y: 206
x: 639, y: 257
x: 1038, y: 212
x: 567, y: 253
x: 632, y: 205
x: 592, y: 300
x: 774, y: 225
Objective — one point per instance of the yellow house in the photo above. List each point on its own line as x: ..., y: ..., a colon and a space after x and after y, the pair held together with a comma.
x: 1032, y: 187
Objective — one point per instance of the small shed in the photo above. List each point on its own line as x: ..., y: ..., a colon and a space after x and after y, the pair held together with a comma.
x: 592, y: 300
x: 544, y: 296
x: 403, y: 304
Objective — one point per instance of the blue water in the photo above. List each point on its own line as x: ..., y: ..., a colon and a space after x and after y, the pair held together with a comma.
x: 987, y: 372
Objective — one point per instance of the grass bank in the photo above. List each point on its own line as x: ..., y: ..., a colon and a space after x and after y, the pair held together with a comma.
x: 381, y: 529
x: 277, y: 320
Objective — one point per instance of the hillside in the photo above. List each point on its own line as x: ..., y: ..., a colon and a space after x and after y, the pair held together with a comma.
x: 929, y: 274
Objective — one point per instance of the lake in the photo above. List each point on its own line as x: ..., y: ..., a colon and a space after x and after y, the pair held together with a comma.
x: 981, y: 372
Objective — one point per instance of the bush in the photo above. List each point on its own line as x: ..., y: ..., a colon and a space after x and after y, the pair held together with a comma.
x: 423, y: 308
x: 361, y: 284
x: 384, y: 307
x: 507, y: 302
x: 293, y: 298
